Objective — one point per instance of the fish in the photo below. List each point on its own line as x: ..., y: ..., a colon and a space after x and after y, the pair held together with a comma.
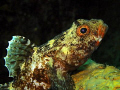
x: 48, y: 66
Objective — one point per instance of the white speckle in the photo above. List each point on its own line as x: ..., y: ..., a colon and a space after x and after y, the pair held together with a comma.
x: 25, y: 88
x: 31, y: 79
x: 76, y: 64
x: 36, y: 83
x: 39, y: 65
x: 28, y: 42
x: 43, y: 84
x: 99, y: 39
x: 33, y: 65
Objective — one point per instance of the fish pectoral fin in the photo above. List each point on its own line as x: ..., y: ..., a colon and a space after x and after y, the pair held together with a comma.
x: 18, y: 50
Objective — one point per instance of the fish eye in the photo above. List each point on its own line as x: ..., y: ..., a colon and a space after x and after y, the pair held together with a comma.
x: 83, y: 30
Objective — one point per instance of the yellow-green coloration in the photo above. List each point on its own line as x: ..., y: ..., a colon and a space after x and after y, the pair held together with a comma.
x: 59, y: 73
x: 65, y: 50
x: 97, y: 77
x: 49, y: 65
x: 50, y: 43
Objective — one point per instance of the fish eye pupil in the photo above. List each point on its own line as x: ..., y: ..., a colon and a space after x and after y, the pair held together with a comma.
x: 83, y: 30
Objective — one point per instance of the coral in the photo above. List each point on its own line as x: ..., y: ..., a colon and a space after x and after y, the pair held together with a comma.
x: 97, y: 77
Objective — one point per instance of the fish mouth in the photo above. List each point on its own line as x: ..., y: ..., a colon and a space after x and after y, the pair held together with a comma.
x: 102, y: 29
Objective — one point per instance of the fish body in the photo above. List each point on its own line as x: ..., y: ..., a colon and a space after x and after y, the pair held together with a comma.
x: 49, y: 65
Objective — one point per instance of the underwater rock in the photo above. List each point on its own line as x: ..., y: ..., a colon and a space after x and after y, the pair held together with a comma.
x: 97, y: 77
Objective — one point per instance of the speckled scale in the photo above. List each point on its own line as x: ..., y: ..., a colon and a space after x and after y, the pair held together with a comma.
x: 49, y: 65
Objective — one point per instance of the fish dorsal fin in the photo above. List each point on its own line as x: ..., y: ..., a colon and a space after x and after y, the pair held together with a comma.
x: 18, y: 51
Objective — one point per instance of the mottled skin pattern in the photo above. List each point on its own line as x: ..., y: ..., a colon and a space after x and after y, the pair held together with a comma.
x: 48, y: 66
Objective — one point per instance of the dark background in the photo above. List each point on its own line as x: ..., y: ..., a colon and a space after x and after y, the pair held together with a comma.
x: 41, y: 20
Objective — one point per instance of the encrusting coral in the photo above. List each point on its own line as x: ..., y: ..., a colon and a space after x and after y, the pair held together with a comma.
x: 97, y: 77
